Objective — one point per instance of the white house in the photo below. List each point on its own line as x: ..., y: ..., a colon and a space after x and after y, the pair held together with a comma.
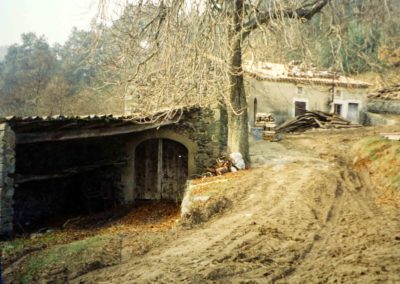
x: 288, y: 91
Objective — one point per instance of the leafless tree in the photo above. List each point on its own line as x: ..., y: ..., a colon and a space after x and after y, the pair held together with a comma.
x: 174, y: 53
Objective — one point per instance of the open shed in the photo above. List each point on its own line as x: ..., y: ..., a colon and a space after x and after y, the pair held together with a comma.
x: 64, y: 166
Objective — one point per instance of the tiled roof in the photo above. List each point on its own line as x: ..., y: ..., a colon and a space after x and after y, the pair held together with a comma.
x: 33, y: 125
x: 279, y: 73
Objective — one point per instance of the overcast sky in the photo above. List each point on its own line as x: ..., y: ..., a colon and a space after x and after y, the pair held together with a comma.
x: 52, y: 18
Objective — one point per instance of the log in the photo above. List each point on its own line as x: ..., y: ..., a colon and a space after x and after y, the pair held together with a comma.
x: 62, y: 173
x: 315, y: 119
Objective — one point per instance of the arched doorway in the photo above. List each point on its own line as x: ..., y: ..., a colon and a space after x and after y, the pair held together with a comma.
x: 161, y: 169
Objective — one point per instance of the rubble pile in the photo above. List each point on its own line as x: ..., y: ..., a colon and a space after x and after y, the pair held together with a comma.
x: 315, y: 119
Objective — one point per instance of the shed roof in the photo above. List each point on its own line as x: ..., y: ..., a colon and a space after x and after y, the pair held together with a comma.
x: 280, y: 73
x: 33, y: 129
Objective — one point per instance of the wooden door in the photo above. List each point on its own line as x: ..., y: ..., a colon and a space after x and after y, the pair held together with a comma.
x: 174, y: 170
x: 352, y: 112
x: 161, y: 169
x: 146, y: 170
x: 299, y: 108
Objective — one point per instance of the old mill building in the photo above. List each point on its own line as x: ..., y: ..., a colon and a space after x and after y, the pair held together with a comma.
x: 288, y: 91
x: 71, y: 165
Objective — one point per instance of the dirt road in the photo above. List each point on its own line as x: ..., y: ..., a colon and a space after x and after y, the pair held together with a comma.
x: 302, y: 215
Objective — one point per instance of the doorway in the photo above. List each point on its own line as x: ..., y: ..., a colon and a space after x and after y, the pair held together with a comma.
x: 255, y: 111
x: 300, y: 108
x: 161, y: 169
x: 352, y: 113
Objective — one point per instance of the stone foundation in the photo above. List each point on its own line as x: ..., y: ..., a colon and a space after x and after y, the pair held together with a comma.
x: 384, y: 106
x: 7, y: 167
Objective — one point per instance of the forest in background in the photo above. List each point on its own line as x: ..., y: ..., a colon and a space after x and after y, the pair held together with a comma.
x: 68, y: 79
x: 39, y: 79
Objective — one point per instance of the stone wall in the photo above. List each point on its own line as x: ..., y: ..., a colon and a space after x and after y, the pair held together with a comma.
x: 384, y: 106
x: 7, y: 167
x: 206, y: 129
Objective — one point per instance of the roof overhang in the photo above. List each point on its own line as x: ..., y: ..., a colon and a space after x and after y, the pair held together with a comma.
x: 36, y: 129
x: 345, y: 83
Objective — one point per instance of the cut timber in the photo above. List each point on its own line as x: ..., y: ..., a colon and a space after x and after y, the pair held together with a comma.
x: 34, y: 137
x: 315, y: 119
x: 20, y: 178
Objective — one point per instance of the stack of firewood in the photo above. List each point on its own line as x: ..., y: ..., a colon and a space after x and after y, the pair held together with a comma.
x: 315, y: 119
x: 389, y: 93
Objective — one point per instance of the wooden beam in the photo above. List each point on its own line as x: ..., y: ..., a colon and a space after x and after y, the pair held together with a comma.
x: 35, y: 137
x: 20, y: 178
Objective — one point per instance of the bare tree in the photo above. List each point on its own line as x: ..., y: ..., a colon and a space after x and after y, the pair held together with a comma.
x: 173, y: 53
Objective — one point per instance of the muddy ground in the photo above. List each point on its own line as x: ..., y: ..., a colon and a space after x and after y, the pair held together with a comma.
x: 302, y: 214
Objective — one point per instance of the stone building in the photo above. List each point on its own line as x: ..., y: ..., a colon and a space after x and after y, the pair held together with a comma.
x: 61, y: 166
x: 289, y: 91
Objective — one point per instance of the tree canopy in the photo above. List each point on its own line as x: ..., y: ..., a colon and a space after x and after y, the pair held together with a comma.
x: 164, y: 55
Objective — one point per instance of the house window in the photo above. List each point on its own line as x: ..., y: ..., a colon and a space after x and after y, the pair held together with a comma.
x: 299, y: 108
x: 337, y: 109
x: 299, y: 90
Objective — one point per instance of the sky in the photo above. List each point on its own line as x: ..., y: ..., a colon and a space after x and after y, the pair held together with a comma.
x: 52, y: 18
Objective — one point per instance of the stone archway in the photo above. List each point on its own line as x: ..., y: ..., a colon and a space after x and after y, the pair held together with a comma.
x: 128, y: 174
x: 161, y: 169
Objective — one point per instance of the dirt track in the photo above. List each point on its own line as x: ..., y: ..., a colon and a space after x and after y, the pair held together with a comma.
x: 302, y: 216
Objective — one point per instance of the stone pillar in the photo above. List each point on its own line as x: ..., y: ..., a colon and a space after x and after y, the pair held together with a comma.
x: 7, y: 167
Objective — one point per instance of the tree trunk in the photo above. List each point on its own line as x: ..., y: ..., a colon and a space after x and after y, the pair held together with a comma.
x: 237, y: 108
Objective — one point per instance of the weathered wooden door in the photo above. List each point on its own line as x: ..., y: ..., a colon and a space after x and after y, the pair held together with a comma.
x: 174, y: 170
x: 299, y: 108
x: 161, y: 169
x: 352, y: 112
x: 146, y: 170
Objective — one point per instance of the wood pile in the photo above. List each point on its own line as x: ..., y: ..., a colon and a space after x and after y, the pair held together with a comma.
x: 315, y: 119
x: 390, y: 93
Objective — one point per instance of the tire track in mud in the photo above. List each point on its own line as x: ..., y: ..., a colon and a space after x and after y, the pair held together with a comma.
x: 242, y: 233
x: 351, y: 189
x: 349, y: 186
x: 321, y: 237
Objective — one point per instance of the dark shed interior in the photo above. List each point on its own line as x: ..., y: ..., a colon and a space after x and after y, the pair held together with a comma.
x: 72, y: 166
x: 62, y: 179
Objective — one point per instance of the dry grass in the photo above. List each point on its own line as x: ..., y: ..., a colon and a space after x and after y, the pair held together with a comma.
x: 381, y: 157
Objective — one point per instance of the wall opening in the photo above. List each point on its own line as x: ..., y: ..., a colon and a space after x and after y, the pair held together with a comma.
x: 161, y: 170
x: 337, y: 109
x: 352, y: 112
x: 55, y: 181
x: 255, y: 111
x: 300, y: 107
